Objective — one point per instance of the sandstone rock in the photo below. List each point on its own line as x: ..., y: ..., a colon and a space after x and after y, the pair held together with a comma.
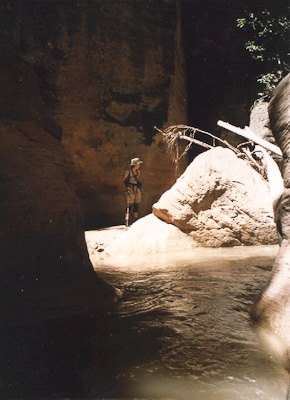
x: 272, y: 309
x: 98, y: 240
x: 110, y: 71
x: 260, y: 125
x: 149, y: 236
x: 220, y: 201
x: 45, y: 271
x: 259, y: 121
x: 119, y: 74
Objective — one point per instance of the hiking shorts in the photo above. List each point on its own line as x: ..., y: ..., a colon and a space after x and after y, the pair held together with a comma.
x: 134, y: 195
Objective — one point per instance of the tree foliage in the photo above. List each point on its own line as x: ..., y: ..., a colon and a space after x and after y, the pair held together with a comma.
x: 268, y: 38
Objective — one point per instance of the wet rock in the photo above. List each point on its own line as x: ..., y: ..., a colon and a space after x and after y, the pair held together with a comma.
x: 98, y: 240
x: 220, y: 201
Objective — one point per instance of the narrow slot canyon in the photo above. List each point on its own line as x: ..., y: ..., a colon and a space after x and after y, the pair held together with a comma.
x: 84, y: 85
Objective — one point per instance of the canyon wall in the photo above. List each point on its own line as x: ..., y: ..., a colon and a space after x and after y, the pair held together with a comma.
x: 45, y: 269
x: 110, y: 71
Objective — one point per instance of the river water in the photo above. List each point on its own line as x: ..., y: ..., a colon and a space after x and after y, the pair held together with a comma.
x: 182, y: 329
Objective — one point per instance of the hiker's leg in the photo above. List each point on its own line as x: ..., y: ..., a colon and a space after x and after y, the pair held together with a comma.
x: 135, y: 210
x: 130, y: 196
x: 137, y: 201
x: 130, y: 208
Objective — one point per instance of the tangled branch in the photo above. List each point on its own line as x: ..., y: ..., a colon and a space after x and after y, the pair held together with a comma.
x: 173, y: 134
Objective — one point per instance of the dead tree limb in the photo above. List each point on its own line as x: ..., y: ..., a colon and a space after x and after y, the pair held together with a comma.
x: 196, y: 141
x: 173, y: 134
x: 249, y: 134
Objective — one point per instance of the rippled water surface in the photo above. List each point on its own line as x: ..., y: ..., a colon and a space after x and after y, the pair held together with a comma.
x: 182, y: 330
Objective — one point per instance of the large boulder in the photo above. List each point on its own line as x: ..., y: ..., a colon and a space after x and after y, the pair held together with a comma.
x: 220, y: 201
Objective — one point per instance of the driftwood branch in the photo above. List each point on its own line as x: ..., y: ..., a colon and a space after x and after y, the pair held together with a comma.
x: 196, y: 141
x: 173, y: 134
x: 250, y: 135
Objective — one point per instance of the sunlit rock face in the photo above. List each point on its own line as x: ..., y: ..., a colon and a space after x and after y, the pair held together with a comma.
x: 259, y: 121
x: 260, y: 125
x: 220, y: 201
x: 110, y: 71
x: 45, y: 271
x: 149, y: 236
x: 273, y: 306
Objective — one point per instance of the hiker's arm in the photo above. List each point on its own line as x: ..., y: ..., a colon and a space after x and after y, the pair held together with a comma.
x: 123, y: 181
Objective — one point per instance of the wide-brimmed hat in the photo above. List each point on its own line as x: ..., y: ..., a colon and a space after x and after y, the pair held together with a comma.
x: 136, y: 161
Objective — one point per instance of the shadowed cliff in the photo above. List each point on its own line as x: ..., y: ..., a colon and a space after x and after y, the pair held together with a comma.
x: 45, y: 269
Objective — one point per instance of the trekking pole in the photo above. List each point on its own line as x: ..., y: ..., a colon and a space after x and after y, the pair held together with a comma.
x: 127, y: 215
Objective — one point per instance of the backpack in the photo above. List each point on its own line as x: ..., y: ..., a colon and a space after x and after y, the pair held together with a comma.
x: 139, y: 184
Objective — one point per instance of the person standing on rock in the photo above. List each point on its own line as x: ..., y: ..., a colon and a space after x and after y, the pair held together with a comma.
x: 133, y: 187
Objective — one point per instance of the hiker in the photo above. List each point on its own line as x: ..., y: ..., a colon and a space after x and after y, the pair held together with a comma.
x: 131, y: 183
